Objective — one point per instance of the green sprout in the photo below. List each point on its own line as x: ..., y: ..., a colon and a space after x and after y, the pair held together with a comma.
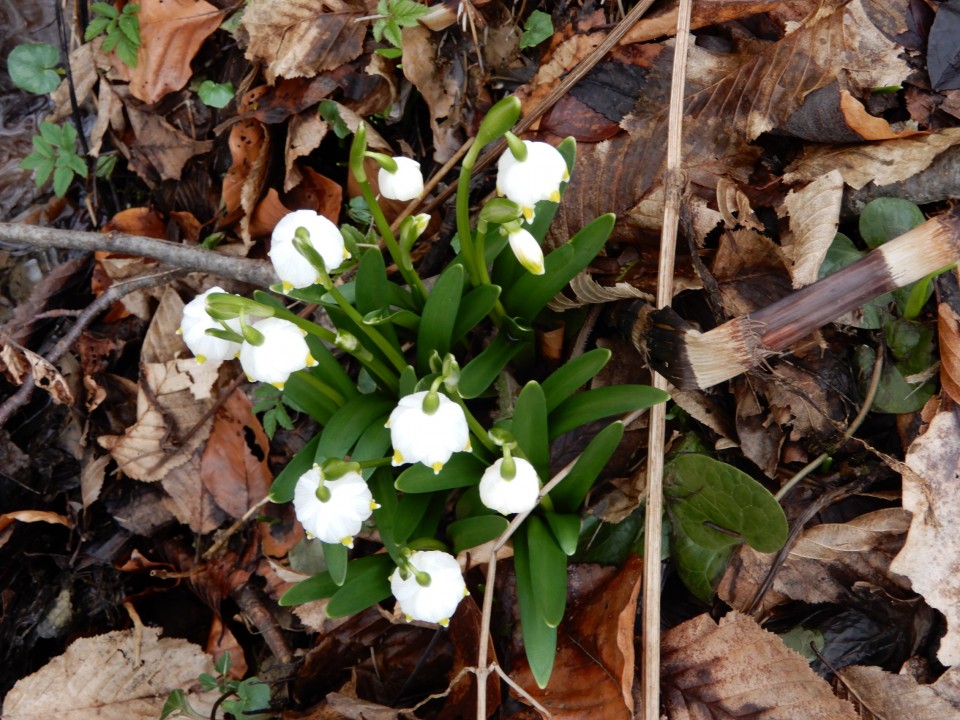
x: 393, y: 15
x: 55, y: 152
x: 122, y: 29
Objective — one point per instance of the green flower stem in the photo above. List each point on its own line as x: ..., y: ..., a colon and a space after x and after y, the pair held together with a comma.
x: 321, y: 387
x: 475, y: 427
x: 376, y: 366
x: 371, y: 332
x: 376, y: 462
x: 406, y: 268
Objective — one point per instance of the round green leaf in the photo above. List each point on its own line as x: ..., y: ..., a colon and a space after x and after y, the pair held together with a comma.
x: 886, y: 218
x: 215, y: 94
x: 31, y: 67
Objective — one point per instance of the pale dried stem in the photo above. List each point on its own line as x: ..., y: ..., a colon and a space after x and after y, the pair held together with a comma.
x: 673, y: 187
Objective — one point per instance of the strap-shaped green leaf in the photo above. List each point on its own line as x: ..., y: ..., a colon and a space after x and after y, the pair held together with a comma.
x: 530, y: 294
x: 570, y: 492
x: 474, y: 307
x: 567, y: 379
x: 473, y: 531
x: 480, y: 372
x: 463, y: 469
x: 566, y: 529
x: 381, y: 485
x: 281, y: 490
x: 335, y: 555
x: 548, y: 573
x: 529, y: 427
x: 539, y: 638
x: 390, y: 316
x: 600, y: 403
x: 439, y: 316
x: 349, y: 423
x: 363, y: 590
x: 372, y: 289
x: 410, y: 511
x: 302, y: 392
x: 322, y: 585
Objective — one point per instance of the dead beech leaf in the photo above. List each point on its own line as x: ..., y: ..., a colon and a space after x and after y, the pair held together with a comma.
x: 948, y: 334
x: 160, y: 151
x: 144, y: 221
x: 109, y: 115
x: 588, y: 291
x: 171, y: 33
x: 304, y: 135
x: 248, y: 148
x: 593, y: 673
x: 814, y: 215
x: 116, y: 676
x: 188, y: 500
x: 930, y: 558
x: 737, y: 669
x: 893, y: 697
x: 19, y: 363
x: 31, y: 516
x: 298, y: 38
x: 234, y: 465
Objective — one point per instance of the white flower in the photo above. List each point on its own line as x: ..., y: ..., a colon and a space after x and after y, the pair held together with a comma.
x: 341, y: 516
x: 527, y: 250
x: 294, y: 270
x: 427, y: 438
x: 283, y: 351
x: 437, y: 601
x: 404, y: 184
x: 536, y: 178
x: 194, y: 325
x: 510, y: 496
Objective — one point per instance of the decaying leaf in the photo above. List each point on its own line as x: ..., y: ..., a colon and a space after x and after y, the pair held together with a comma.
x: 18, y: 363
x: 735, y: 669
x: 116, y: 676
x: 159, y: 151
x: 587, y: 291
x: 303, y: 37
x: 886, y: 696
x: 948, y: 336
x: 171, y: 33
x: 814, y: 215
x: 931, y: 555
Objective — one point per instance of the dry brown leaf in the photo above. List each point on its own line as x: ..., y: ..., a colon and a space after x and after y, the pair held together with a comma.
x: 109, y: 115
x: 188, y: 500
x: 824, y: 564
x: 814, y: 215
x: 593, y: 673
x: 160, y: 151
x: 304, y: 135
x: 171, y: 33
x: 893, y: 697
x: 736, y: 669
x: 948, y: 335
x: 18, y: 363
x: 31, y: 516
x: 116, y: 676
x: 930, y: 558
x: 92, y: 474
x: 588, y: 291
x: 300, y: 38
x: 881, y: 163
x: 234, y: 467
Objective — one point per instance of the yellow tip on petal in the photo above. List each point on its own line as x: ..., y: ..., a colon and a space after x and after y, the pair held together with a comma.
x: 555, y: 196
x: 201, y: 359
x: 311, y: 362
x: 348, y: 541
x: 397, y: 458
x: 346, y: 254
x: 386, y: 424
x: 437, y: 467
x: 444, y: 622
x: 374, y: 505
x: 468, y: 447
x: 179, y: 331
x: 466, y: 592
x: 527, y: 213
x: 566, y: 175
x: 287, y: 286
x: 408, y: 617
x: 310, y: 536
x: 277, y: 385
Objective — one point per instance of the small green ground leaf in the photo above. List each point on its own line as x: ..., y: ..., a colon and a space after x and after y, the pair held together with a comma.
x: 705, y: 494
x: 548, y: 573
x: 600, y: 403
x: 894, y: 394
x: 539, y: 27
x: 32, y: 67
x: 473, y: 531
x: 215, y: 94
x: 539, y: 638
x: 699, y: 568
x: 886, y: 218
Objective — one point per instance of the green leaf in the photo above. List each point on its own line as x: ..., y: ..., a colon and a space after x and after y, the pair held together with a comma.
x: 215, y: 94
x: 408, y: 381
x: 600, y: 403
x: 566, y: 529
x: 400, y: 318
x: 178, y: 703
x: 105, y: 9
x: 127, y: 52
x: 322, y: 585
x: 381, y: 485
x: 549, y: 573
x: 699, y: 568
x: 406, y: 12
x: 474, y: 307
x: 539, y: 638
x: 76, y: 163
x: 392, y: 33
x: 222, y: 665
x: 568, y: 495
x: 480, y: 372
x: 530, y: 294
x: 335, y: 555
x: 349, y: 423
x: 32, y: 67
x: 539, y: 27
x: 330, y: 370
x: 886, y: 218
x: 463, y: 469
x: 51, y: 133
x: 112, y: 40
x: 473, y: 531
x: 281, y: 491
x: 894, y: 394
x: 62, y: 177
x: 362, y: 591
x: 129, y: 25
x: 703, y: 494
x: 409, y: 513
x: 330, y: 112
x: 564, y: 381
x: 96, y: 26
x: 529, y: 427
x: 43, y: 170
x: 610, y: 543
x: 439, y: 316
x: 301, y: 391
x: 35, y: 160
x: 391, y: 53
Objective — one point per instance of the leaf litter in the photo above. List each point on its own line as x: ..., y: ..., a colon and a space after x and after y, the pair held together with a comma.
x: 784, y: 119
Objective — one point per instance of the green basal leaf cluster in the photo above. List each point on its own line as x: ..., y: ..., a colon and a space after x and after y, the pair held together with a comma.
x: 55, y: 153
x: 907, y: 379
x: 248, y: 698
x: 121, y: 27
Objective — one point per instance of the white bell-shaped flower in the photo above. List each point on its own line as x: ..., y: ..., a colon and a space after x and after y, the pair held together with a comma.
x: 293, y: 269
x: 533, y: 179
x: 338, y: 518
x: 527, y: 250
x: 427, y: 437
x: 194, y: 325
x: 404, y: 184
x: 282, y: 352
x: 517, y: 495
x: 437, y: 601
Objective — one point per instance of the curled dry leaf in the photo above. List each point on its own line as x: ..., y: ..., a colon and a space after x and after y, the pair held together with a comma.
x: 948, y: 334
x: 116, y: 676
x: 931, y: 555
x: 159, y: 151
x: 737, y: 669
x: 171, y: 33
x: 814, y: 213
x: 588, y: 291
x: 18, y: 363
x: 884, y: 696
